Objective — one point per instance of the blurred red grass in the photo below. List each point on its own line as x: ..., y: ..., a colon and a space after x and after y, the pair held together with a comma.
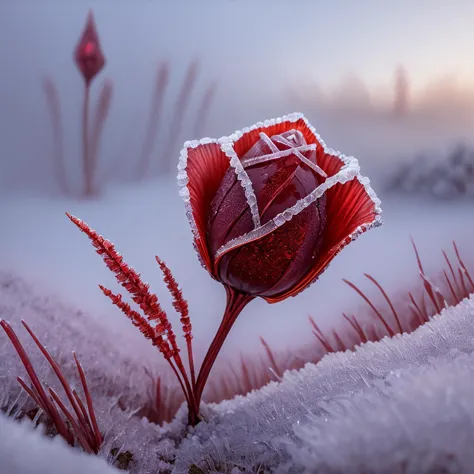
x: 93, y: 179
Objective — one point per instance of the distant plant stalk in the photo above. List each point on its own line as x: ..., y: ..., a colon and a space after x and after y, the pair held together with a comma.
x: 90, y: 61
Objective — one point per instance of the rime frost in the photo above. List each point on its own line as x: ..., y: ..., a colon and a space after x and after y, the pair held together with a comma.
x: 24, y: 450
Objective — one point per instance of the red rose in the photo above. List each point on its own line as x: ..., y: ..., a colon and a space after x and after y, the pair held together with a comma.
x: 88, y: 54
x: 271, y: 206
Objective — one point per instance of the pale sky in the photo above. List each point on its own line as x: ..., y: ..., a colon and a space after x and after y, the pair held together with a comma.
x: 326, y: 39
x: 257, y: 51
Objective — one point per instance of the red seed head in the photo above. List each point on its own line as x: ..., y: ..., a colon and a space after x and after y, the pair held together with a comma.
x: 88, y: 54
x: 276, y: 262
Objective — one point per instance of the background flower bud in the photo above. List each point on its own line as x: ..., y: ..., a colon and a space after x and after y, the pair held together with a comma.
x: 88, y: 54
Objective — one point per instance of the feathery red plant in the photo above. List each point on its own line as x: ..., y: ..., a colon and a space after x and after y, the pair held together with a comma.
x: 83, y: 426
x: 155, y: 326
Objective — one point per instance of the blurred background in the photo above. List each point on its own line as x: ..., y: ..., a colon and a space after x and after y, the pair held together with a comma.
x: 391, y: 83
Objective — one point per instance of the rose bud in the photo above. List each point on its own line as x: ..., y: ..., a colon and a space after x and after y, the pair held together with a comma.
x: 88, y: 54
x: 275, y: 263
x: 271, y: 206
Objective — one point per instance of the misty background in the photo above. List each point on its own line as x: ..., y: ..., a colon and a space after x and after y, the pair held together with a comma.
x: 381, y: 81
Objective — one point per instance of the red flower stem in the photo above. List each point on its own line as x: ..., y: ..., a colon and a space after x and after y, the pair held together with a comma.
x: 189, y: 345
x: 90, y: 406
x: 236, y: 302
x: 86, y: 158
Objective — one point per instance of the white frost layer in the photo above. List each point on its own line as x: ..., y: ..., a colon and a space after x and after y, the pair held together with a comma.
x: 24, y: 450
x: 386, y: 405
x: 421, y: 418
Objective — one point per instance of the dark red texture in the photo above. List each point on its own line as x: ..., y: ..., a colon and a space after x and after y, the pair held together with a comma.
x: 276, y: 262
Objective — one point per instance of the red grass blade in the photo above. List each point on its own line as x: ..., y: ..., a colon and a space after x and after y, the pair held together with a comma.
x: 204, y: 109
x: 39, y: 392
x: 271, y: 357
x: 456, y: 284
x: 179, y: 111
x: 100, y: 117
x: 340, y: 346
x: 424, y: 317
x: 31, y: 392
x: 387, y: 299
x: 463, y: 266
x: 90, y: 405
x: 320, y: 336
x: 52, y: 100
x: 78, y: 431
x: 389, y: 330
x: 85, y: 427
x: 154, y: 119
x: 357, y: 328
x: 246, y: 375
x: 450, y: 286
x: 57, y: 371
x: 427, y: 286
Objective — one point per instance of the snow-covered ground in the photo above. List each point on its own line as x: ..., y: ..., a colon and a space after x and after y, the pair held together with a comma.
x: 412, y: 394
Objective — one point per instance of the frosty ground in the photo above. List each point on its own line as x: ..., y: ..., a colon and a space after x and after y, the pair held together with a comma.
x: 50, y: 275
x: 412, y: 394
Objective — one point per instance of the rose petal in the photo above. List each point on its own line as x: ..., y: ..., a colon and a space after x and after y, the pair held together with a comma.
x: 350, y: 211
x: 293, y: 122
x: 206, y: 166
x: 243, y: 144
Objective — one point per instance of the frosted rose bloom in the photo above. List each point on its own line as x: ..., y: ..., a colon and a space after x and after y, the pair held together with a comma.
x: 270, y: 206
